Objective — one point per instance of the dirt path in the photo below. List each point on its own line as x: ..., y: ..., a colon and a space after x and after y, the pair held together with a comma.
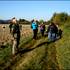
x: 38, y: 56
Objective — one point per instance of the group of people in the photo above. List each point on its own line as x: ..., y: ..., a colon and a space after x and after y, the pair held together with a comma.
x: 53, y: 32
x: 35, y: 28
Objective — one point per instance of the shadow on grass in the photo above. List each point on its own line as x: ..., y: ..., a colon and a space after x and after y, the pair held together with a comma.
x: 29, y: 40
x: 25, y: 50
x: 28, y: 49
x: 51, y: 59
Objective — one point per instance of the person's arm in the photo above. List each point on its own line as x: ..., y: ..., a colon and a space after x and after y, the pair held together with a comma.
x: 44, y: 27
x: 37, y: 26
x: 10, y: 26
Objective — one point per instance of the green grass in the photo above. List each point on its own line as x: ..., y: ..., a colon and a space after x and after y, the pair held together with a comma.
x: 63, y: 50
x: 6, y: 52
x: 5, y: 55
x: 53, y: 56
x: 41, y: 56
x: 32, y: 59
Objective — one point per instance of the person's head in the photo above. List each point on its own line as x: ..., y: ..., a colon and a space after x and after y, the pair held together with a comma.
x: 14, y: 20
x: 32, y: 21
x: 37, y: 21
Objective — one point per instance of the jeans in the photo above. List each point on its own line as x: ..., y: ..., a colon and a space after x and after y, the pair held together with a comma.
x: 42, y: 32
x: 51, y: 36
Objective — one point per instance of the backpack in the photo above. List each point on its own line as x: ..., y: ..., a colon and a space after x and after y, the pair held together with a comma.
x: 51, y: 29
x: 15, y: 28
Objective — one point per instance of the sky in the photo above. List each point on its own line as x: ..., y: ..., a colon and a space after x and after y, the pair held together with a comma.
x: 32, y: 9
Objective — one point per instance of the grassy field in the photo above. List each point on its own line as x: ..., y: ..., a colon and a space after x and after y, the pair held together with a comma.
x: 6, y: 41
x: 37, y: 54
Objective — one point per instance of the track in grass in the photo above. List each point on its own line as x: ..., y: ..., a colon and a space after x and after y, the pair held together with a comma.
x: 45, y: 56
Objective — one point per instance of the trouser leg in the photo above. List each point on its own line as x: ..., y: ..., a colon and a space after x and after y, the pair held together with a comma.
x: 49, y: 36
x: 53, y: 36
x: 42, y: 33
x: 14, y: 47
x: 17, y: 45
x: 33, y: 34
x: 18, y: 40
x: 36, y: 33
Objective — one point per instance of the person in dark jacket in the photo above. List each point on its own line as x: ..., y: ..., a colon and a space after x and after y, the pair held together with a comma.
x: 52, y: 32
x: 42, y: 29
x: 15, y: 31
x: 34, y: 27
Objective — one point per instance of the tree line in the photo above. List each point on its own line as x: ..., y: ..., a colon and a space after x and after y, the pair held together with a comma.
x: 58, y: 18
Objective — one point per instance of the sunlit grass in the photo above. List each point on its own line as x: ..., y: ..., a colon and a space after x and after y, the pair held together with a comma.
x: 56, y: 55
x: 63, y: 50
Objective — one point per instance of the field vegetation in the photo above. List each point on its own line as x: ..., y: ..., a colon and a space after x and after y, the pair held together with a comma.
x: 37, y: 54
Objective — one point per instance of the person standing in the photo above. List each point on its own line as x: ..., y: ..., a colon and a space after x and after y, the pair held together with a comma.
x: 42, y: 29
x: 15, y: 31
x: 34, y: 27
x: 52, y: 32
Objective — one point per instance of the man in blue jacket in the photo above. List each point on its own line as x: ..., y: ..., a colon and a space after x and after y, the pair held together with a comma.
x: 34, y: 27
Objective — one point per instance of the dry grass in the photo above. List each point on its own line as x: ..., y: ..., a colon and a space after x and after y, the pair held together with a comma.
x: 38, y: 54
x: 6, y: 37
